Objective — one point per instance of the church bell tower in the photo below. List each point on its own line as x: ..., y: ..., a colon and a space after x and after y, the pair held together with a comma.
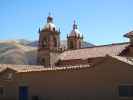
x: 74, y: 39
x: 48, y: 44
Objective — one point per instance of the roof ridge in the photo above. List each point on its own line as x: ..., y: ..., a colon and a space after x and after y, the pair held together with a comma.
x: 19, y: 65
x: 57, y: 68
x: 25, y: 69
x: 127, y: 60
x: 112, y: 44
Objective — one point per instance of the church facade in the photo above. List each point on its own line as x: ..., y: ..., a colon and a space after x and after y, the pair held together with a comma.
x: 93, y: 73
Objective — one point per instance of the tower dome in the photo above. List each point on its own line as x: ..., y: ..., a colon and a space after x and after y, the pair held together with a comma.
x: 75, y: 31
x: 50, y: 25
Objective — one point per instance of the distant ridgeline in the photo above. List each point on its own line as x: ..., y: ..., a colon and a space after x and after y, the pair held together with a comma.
x: 24, y: 52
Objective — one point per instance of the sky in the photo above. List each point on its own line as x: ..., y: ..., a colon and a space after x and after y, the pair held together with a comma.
x: 100, y: 21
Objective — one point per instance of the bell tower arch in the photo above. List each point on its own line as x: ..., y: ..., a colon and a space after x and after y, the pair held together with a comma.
x: 48, y: 44
x: 74, y: 39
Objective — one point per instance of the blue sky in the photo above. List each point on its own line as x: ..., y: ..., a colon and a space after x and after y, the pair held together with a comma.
x: 100, y: 21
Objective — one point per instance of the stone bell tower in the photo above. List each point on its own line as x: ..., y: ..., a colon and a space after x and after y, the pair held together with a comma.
x: 74, y: 39
x: 48, y: 44
x: 130, y: 36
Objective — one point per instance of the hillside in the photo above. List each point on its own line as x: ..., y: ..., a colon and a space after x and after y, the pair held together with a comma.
x: 13, y: 52
x: 23, y: 51
x: 63, y: 44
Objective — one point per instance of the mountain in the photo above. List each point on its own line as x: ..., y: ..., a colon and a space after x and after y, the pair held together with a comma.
x: 14, y: 52
x: 85, y: 44
x: 23, y: 51
x: 63, y: 44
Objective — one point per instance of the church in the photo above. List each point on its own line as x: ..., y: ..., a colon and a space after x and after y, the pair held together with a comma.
x: 49, y: 48
x: 74, y: 73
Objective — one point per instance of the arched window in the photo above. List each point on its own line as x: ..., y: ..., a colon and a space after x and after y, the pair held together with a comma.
x: 44, y: 43
x: 71, y: 45
x: 54, y: 29
x: 43, y: 62
x: 55, y: 42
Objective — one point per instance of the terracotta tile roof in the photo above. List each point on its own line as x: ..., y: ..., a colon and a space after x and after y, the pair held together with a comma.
x: 35, y: 68
x: 92, y: 52
x: 19, y: 68
x: 128, y: 60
